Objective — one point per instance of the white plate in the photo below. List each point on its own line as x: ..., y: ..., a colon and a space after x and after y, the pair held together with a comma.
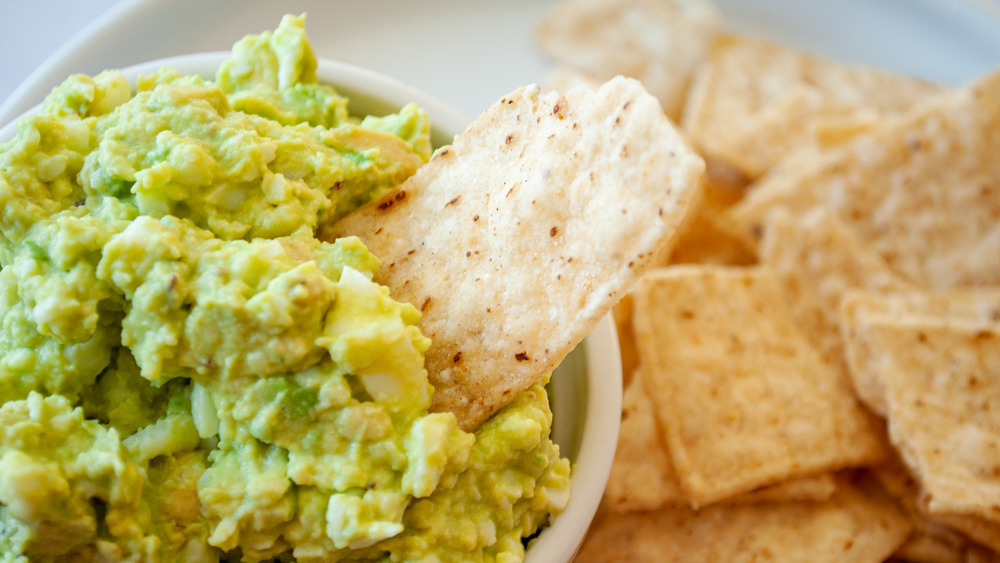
x: 467, y: 53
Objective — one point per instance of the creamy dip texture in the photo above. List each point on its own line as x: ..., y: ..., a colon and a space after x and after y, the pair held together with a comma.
x: 188, y: 374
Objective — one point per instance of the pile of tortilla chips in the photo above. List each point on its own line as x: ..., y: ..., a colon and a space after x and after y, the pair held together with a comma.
x: 813, y: 370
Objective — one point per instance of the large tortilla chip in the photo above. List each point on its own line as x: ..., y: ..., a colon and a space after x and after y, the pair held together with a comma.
x: 819, y: 259
x: 516, y: 240
x: 753, y: 101
x: 854, y: 525
x: 656, y: 41
x: 922, y: 190
x: 941, y: 382
x: 744, y: 399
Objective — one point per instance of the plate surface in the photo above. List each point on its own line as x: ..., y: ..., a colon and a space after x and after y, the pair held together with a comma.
x: 467, y: 53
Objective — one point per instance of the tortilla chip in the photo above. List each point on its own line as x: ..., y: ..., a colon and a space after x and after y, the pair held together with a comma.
x: 743, y: 398
x: 981, y: 530
x: 754, y: 101
x: 656, y: 41
x: 726, y: 183
x: 920, y: 548
x: 703, y: 241
x: 866, y: 352
x: 819, y: 259
x: 642, y: 477
x: 931, y: 534
x: 699, y: 239
x: 921, y: 190
x: 942, y: 384
x: 811, y: 488
x: 622, y: 314
x: 852, y: 526
x: 516, y: 240
x: 832, y: 130
x: 980, y: 554
x: 976, y: 307
x: 564, y: 78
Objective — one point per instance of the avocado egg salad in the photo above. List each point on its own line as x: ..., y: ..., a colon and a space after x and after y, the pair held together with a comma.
x: 188, y: 374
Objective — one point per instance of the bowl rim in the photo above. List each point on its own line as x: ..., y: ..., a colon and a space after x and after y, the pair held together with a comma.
x: 599, y: 354
x: 354, y: 82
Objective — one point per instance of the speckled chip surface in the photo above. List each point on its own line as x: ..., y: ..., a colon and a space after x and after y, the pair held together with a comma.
x: 518, y: 238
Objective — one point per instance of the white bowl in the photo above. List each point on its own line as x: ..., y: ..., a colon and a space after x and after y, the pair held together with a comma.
x: 586, y: 389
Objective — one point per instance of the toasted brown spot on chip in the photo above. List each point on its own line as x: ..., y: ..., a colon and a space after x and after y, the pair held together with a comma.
x: 521, y: 356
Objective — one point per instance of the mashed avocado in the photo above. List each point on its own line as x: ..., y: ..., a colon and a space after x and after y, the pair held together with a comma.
x: 188, y: 374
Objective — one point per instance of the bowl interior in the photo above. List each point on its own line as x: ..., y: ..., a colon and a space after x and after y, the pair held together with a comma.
x: 585, y: 389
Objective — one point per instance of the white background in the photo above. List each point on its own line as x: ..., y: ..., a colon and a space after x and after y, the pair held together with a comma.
x: 465, y: 52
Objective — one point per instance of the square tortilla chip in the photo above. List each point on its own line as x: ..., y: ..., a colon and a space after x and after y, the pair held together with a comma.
x: 658, y: 42
x: 854, y: 525
x: 517, y: 239
x: 866, y: 351
x: 744, y: 399
x: 754, y: 101
x: 942, y: 383
x: 819, y: 259
x: 922, y: 190
x: 643, y: 478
